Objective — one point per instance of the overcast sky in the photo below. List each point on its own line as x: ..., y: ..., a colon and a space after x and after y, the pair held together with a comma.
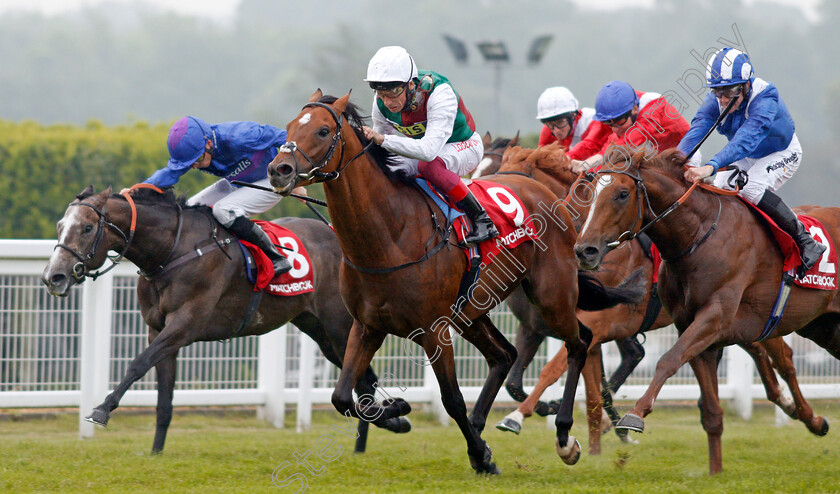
x: 223, y: 9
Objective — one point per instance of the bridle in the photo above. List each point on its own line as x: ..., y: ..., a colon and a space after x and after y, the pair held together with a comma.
x: 642, y: 196
x: 80, y: 271
x: 314, y: 174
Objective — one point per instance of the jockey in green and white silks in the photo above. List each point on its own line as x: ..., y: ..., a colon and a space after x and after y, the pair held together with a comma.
x: 418, y: 116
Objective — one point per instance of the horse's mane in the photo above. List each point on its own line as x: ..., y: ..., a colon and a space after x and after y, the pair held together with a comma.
x: 500, y: 142
x: 380, y: 155
x: 550, y: 159
x: 153, y: 198
x: 670, y: 161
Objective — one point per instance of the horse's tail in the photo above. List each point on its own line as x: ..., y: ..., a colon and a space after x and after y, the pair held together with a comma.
x: 593, y: 295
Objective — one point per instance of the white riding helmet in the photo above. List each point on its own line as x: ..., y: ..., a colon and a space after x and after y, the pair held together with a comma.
x: 554, y: 102
x: 391, y: 64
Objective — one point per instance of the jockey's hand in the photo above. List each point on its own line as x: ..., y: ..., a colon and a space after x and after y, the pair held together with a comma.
x: 693, y: 174
x: 301, y: 191
x: 373, y: 135
x: 578, y: 166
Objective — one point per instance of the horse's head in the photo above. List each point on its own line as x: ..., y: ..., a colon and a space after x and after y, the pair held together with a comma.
x: 494, y: 149
x: 83, y: 242
x: 312, y: 139
x: 616, y: 207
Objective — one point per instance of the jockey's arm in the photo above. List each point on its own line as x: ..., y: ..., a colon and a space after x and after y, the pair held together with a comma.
x: 580, y: 166
x: 441, y: 110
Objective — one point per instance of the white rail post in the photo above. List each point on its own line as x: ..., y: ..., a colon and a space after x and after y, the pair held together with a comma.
x: 271, y: 376
x: 739, y: 375
x: 95, y: 334
x: 305, y: 373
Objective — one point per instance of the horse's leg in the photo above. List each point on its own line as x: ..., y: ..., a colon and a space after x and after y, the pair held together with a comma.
x: 175, y: 335
x: 825, y: 332
x: 711, y: 414
x: 528, y: 341
x: 632, y: 352
x: 362, y: 344
x: 550, y: 373
x: 782, y: 356
x: 700, y: 335
x: 499, y: 354
x: 165, y: 387
x: 567, y: 447
x: 592, y: 372
x: 442, y: 357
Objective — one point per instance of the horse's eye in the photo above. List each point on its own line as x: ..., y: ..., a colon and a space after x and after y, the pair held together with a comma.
x: 623, y: 195
x: 88, y: 228
x: 324, y: 132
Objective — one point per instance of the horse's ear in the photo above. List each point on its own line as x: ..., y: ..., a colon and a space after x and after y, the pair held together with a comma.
x: 106, y: 192
x: 341, y: 103
x: 487, y: 140
x: 89, y: 191
x: 515, y: 140
x: 316, y: 96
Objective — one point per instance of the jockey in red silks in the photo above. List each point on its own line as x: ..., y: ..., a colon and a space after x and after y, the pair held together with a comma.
x: 418, y: 116
x: 562, y: 118
x: 762, y: 142
x: 234, y: 151
x: 633, y: 118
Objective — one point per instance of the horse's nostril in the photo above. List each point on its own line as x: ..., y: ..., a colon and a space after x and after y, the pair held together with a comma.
x: 285, y: 170
x: 590, y: 252
x: 57, y: 279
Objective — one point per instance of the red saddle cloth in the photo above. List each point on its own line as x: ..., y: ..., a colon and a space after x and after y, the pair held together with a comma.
x: 508, y: 214
x: 299, y: 280
x: 823, y: 276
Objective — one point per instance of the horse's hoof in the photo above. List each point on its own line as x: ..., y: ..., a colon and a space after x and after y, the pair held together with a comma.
x: 624, y: 436
x: 402, y: 406
x: 516, y: 392
x: 98, y: 417
x: 541, y: 409
x: 554, y: 407
x: 824, y: 429
x: 631, y: 422
x: 485, y: 466
x: 397, y: 425
x: 570, y: 453
x: 510, y: 425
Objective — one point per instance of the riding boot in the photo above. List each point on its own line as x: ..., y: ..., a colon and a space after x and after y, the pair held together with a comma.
x: 248, y: 231
x: 809, y: 250
x: 484, y: 227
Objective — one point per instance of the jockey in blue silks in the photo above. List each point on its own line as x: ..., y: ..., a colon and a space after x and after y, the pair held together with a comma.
x: 762, y: 142
x: 234, y: 151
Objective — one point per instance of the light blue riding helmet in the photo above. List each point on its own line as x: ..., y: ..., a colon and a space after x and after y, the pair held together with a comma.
x: 614, y: 100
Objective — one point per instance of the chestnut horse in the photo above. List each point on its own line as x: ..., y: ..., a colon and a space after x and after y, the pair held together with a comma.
x: 720, y: 288
x: 203, y: 298
x: 402, y: 275
x: 550, y: 166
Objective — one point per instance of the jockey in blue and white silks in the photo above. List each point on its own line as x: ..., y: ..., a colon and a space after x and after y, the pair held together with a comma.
x: 234, y: 151
x: 762, y: 142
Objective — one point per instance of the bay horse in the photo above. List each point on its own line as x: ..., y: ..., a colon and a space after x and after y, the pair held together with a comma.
x: 401, y: 274
x: 719, y: 287
x: 550, y: 166
x: 201, y: 299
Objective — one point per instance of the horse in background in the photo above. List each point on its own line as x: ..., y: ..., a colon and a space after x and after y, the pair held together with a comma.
x: 177, y: 299
x: 719, y: 287
x: 401, y: 275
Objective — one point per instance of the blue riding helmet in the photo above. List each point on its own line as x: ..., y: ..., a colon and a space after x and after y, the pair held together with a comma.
x: 186, y: 141
x: 728, y: 67
x: 614, y: 100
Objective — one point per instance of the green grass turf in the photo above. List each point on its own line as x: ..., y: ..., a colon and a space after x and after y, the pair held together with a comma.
x: 235, y: 452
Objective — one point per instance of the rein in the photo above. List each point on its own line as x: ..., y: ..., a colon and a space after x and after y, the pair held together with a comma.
x: 641, y: 190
